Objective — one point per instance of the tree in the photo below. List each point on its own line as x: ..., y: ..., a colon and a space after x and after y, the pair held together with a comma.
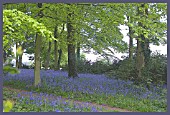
x: 55, y: 49
x: 15, y: 24
x: 72, y: 71
x: 147, y: 28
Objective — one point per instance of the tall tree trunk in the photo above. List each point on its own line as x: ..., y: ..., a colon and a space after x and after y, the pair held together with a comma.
x: 37, y: 79
x: 48, y: 56
x: 20, y: 57
x: 59, y: 58
x: 72, y: 68
x: 146, y: 47
x: 139, y: 59
x: 147, y: 51
x: 17, y: 61
x: 55, y: 49
x: 130, y: 41
x: 78, y: 51
x: 140, y: 63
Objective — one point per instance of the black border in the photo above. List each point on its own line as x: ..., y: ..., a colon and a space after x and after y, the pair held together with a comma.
x: 85, y: 1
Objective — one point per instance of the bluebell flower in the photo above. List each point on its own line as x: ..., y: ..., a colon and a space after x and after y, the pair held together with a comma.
x: 57, y: 110
x: 93, y: 109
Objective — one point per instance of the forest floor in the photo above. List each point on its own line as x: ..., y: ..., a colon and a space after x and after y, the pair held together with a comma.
x: 106, y: 107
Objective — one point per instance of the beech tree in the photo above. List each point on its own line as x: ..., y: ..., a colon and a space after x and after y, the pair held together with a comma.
x: 15, y: 22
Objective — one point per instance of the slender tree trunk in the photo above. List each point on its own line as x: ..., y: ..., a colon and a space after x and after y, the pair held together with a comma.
x: 17, y: 61
x: 55, y: 50
x: 147, y: 51
x: 20, y: 61
x: 72, y: 68
x: 48, y: 56
x: 140, y: 63
x: 59, y: 58
x: 146, y: 48
x: 140, y: 58
x: 130, y: 41
x: 20, y: 57
x: 4, y: 56
x: 78, y: 51
x: 37, y: 79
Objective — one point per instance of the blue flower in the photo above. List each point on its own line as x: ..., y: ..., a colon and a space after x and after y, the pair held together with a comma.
x: 93, y: 109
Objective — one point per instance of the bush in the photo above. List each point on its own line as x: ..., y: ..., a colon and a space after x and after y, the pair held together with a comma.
x: 98, y: 67
x: 155, y: 71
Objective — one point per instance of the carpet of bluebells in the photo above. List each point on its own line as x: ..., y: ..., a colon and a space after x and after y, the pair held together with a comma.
x: 35, y: 102
x: 88, y: 88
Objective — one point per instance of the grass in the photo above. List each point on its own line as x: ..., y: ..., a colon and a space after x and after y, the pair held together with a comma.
x: 120, y: 101
x: 30, y: 103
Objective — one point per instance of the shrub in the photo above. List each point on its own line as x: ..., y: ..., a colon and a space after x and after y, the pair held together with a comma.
x: 155, y: 71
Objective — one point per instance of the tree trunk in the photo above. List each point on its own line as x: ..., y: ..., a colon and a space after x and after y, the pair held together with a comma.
x: 17, y: 61
x: 37, y: 79
x: 59, y: 58
x: 146, y: 47
x: 20, y: 61
x: 140, y: 63
x: 147, y: 51
x: 78, y: 51
x: 55, y: 50
x: 4, y: 56
x: 72, y: 68
x: 48, y: 56
x: 130, y: 41
x: 20, y: 57
x: 140, y: 58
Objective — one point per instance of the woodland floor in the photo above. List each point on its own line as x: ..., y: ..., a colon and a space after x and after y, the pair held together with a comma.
x: 77, y: 102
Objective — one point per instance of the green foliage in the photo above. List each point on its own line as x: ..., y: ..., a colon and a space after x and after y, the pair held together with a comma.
x: 11, y: 70
x: 155, y: 71
x: 125, y: 70
x: 7, y: 106
x: 16, y: 23
x: 153, y: 20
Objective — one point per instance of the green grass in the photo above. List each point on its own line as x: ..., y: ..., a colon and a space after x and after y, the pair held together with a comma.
x: 120, y: 101
x: 27, y: 105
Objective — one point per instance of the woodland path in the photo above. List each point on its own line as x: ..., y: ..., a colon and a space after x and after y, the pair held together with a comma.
x: 106, y: 107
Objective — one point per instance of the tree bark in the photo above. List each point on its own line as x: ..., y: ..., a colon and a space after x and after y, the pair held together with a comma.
x: 4, y: 56
x: 55, y: 49
x: 140, y: 58
x: 20, y: 57
x: 78, y: 51
x: 37, y: 79
x: 72, y: 68
x: 59, y: 58
x: 130, y: 41
x: 140, y: 63
x: 20, y: 61
x: 146, y: 47
x: 48, y: 56
x: 17, y: 61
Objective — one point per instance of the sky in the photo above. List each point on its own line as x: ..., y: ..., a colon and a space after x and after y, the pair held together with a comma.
x: 124, y: 29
